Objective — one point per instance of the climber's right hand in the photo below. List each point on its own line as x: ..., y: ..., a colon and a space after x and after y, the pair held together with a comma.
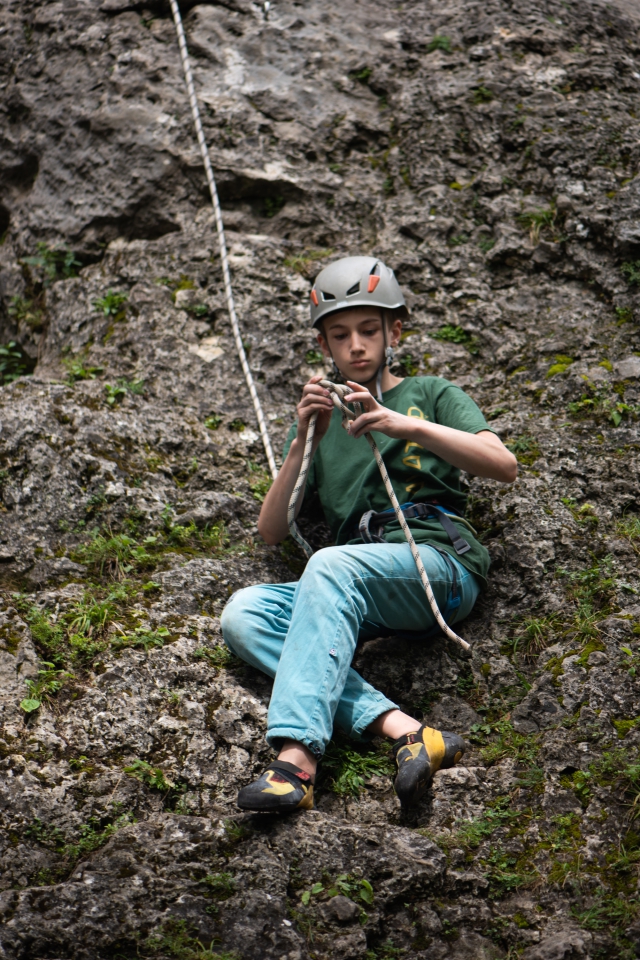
x: 315, y: 399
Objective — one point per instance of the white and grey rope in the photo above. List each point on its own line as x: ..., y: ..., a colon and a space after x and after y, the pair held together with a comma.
x: 338, y: 391
x: 184, y: 56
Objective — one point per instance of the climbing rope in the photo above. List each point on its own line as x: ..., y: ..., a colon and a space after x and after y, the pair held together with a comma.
x: 338, y: 391
x: 184, y: 56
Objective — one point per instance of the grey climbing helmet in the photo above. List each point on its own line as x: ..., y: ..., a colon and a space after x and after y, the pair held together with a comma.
x: 355, y: 282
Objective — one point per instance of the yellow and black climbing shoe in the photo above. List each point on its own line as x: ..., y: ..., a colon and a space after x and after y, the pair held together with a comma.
x: 281, y: 788
x: 418, y: 755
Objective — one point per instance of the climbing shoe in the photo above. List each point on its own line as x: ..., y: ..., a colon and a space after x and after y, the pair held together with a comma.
x: 418, y: 755
x: 281, y: 788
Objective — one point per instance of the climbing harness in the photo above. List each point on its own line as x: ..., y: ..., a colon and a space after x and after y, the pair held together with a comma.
x: 186, y: 66
x: 338, y: 391
x: 371, y: 524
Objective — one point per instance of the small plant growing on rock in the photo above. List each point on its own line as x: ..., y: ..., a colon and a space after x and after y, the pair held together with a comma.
x: 14, y: 362
x: 152, y: 776
x: 259, y: 480
x: 213, y: 422
x: 114, y: 555
x: 482, y: 95
x: 631, y: 271
x: 27, y: 311
x: 349, y: 769
x: 439, y: 42
x: 142, y: 637
x: 77, y: 370
x: 48, y: 681
x: 537, y: 220
x: 314, y: 357
x: 112, y: 304
x: 116, y: 394
x: 53, y: 263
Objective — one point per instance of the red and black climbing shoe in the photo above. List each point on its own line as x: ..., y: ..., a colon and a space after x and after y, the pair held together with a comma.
x: 418, y: 755
x: 281, y: 788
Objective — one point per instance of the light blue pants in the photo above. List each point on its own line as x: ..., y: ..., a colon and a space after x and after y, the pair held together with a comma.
x: 305, y: 634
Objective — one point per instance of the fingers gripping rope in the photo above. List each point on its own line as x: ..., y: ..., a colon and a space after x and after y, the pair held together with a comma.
x: 338, y: 391
x: 186, y: 66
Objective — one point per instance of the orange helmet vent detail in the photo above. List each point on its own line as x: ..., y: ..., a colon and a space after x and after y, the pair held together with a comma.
x: 314, y: 297
x: 373, y: 283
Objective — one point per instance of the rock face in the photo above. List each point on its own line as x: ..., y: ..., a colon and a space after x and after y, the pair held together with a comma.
x: 489, y: 153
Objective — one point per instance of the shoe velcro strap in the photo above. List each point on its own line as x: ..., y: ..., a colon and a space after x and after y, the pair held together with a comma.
x: 406, y: 739
x: 290, y: 772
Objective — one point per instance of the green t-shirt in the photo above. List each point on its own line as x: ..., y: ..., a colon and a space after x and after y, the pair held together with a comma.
x: 346, y: 478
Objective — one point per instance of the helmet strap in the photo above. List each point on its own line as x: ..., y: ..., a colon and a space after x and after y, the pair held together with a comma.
x: 387, y: 359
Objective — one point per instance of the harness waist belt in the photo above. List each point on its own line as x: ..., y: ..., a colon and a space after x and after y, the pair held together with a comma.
x: 372, y: 524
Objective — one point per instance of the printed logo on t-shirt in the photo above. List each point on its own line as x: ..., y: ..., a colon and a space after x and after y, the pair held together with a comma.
x: 413, y: 459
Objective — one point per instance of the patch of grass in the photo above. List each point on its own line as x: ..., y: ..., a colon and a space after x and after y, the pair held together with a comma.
x: 624, y: 314
x: 630, y: 270
x: 213, y: 422
x: 27, y: 311
x: 347, y: 769
x: 115, y: 555
x: 386, y: 951
x: 362, y: 76
x: 217, y: 656
x: 525, y: 448
x: 153, y: 777
x: 486, y: 244
x: 14, y: 362
x: 112, y: 304
x: 175, y: 938
x: 629, y: 527
x: 220, y: 886
x: 142, y: 637
x: 499, y: 740
x: 537, y: 220
x: 302, y: 262
x: 259, y: 481
x: 91, y: 836
x: 505, y: 873
x: 53, y: 263
x: 469, y: 834
x: 439, y: 42
x: 608, y: 911
x: 482, y: 95
x: 533, y: 635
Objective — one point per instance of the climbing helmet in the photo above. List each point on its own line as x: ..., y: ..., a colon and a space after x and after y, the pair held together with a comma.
x: 355, y: 282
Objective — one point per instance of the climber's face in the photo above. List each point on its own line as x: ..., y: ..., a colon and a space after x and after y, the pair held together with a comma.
x: 354, y: 338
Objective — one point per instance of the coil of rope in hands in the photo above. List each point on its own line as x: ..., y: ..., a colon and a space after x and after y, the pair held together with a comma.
x: 338, y: 391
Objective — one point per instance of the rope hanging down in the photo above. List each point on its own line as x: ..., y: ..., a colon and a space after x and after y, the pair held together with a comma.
x: 184, y: 56
x: 338, y: 392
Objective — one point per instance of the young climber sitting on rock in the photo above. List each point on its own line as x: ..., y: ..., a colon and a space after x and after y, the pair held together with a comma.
x: 304, y: 634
